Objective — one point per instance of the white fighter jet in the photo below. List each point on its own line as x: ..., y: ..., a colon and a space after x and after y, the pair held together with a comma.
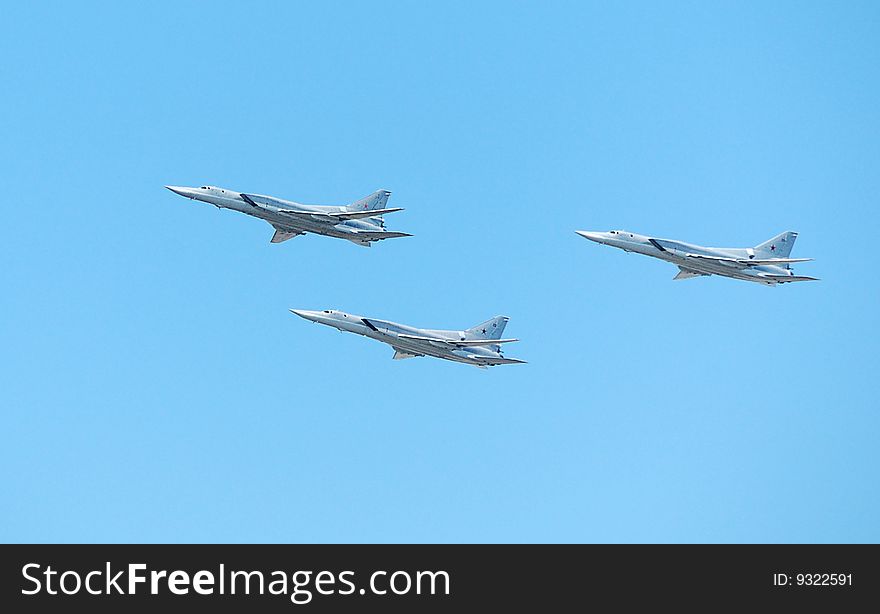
x: 360, y: 222
x: 479, y: 346
x: 767, y: 263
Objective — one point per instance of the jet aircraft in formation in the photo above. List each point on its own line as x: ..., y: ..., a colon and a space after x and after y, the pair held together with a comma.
x: 360, y: 222
x: 767, y: 263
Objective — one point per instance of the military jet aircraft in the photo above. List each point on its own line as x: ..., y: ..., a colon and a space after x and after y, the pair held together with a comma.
x: 479, y: 346
x: 360, y: 222
x: 767, y: 263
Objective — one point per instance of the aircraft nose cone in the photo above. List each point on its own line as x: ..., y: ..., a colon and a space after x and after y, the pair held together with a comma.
x: 592, y: 236
x: 178, y: 190
x: 308, y: 315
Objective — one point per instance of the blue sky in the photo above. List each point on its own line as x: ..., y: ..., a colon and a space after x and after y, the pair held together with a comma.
x: 154, y: 386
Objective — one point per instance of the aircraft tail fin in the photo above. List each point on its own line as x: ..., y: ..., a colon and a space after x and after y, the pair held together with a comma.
x: 777, y: 247
x: 490, y: 329
x: 376, y: 200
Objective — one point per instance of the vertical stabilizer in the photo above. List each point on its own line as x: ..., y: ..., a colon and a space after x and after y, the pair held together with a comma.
x: 777, y: 247
x: 376, y: 200
x: 490, y: 329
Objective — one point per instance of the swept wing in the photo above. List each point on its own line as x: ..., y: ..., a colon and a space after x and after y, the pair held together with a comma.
x: 457, y: 342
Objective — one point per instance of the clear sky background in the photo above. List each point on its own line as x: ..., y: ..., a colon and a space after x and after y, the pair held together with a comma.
x: 154, y: 386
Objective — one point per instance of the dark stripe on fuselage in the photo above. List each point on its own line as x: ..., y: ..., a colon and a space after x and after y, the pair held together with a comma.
x: 656, y: 244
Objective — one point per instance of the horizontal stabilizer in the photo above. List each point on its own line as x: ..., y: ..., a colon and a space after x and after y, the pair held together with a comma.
x: 401, y: 355
x: 783, y: 279
x: 375, y: 235
x: 505, y: 361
